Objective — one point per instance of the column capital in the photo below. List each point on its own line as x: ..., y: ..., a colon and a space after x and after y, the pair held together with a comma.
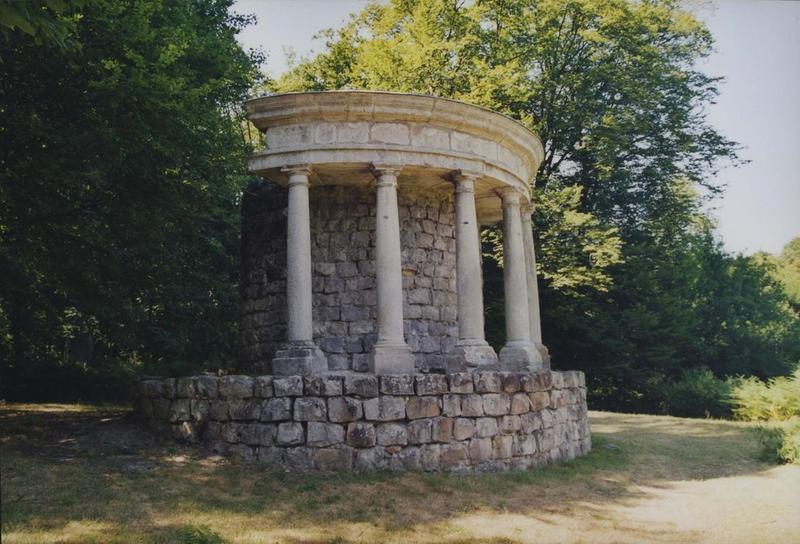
x: 382, y: 169
x: 527, y: 210
x: 511, y: 197
x: 298, y: 173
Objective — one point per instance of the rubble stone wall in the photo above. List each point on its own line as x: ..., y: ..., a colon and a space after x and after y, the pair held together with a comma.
x: 482, y: 421
x: 344, y: 295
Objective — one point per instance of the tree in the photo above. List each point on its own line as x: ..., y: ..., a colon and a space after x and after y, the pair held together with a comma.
x: 122, y: 168
x: 613, y: 90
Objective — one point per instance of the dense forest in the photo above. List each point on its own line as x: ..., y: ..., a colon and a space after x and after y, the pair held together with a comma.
x: 123, y: 167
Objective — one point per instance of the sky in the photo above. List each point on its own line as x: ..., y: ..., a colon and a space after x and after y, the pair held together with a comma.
x: 757, y: 51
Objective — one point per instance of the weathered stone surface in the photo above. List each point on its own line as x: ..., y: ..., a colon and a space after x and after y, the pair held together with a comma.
x: 401, y: 384
x: 184, y: 387
x: 384, y: 408
x: 434, y: 431
x: 290, y: 434
x: 370, y: 458
x: 487, y: 382
x: 361, y: 435
x: 263, y: 387
x: 310, y: 409
x: 463, y: 428
x: 299, y: 459
x: 453, y: 455
x: 485, y: 427
x: 539, y: 400
x: 510, y: 424
x: 480, y: 449
x: 502, y: 445
x: 276, y: 409
x: 392, y: 434
x: 180, y: 410
x: 245, y: 409
x: 442, y: 429
x: 324, y: 386
x: 520, y: 403
x: 420, y: 407
x: 472, y: 406
x: 152, y: 388
x: 324, y: 434
x: 431, y: 384
x: 496, y: 404
x: 419, y: 431
x: 362, y: 386
x: 236, y: 387
x: 409, y: 458
x: 509, y: 382
x: 430, y: 457
x: 461, y: 382
x: 206, y: 387
x: 218, y: 410
x: 451, y: 405
x: 289, y: 386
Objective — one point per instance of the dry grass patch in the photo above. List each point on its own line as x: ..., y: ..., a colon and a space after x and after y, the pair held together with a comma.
x: 83, y: 474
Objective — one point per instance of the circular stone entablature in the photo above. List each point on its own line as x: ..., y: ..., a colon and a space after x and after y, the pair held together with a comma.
x: 342, y: 134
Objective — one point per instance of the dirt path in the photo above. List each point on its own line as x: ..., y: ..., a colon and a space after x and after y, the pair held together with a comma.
x: 83, y: 474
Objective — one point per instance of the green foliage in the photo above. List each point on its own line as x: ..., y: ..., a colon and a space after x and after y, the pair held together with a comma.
x: 121, y: 174
x: 698, y: 393
x: 635, y: 288
x: 776, y: 400
x: 781, y: 441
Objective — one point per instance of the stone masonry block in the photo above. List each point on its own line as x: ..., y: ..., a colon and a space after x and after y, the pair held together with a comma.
x: 421, y: 407
x: 451, y: 405
x: 520, y: 403
x: 392, y: 434
x: 431, y: 384
x: 362, y: 386
x: 496, y: 404
x: 236, y: 387
x: 263, y: 387
x: 324, y: 386
x: 276, y: 409
x: 384, y: 408
x: 290, y: 434
x: 361, y: 435
x: 344, y: 409
x: 401, y: 384
x: 324, y: 434
x: 472, y: 405
x: 461, y: 382
x: 288, y: 386
x: 310, y: 409
x: 487, y: 382
x: 419, y: 431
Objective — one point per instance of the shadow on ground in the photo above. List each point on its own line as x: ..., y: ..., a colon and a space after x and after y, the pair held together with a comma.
x: 93, y: 474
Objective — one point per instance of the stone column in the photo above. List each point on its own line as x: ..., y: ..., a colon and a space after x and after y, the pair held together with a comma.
x: 471, y: 351
x: 534, y: 314
x: 300, y: 355
x: 518, y: 353
x: 391, y: 354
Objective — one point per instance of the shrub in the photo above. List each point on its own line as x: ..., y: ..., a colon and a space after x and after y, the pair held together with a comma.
x: 781, y: 441
x: 776, y: 400
x: 698, y: 394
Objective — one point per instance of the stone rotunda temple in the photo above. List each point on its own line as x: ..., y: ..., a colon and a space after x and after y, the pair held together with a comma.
x: 362, y: 321
x: 386, y: 195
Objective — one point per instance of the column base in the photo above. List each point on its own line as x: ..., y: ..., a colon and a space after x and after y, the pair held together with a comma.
x: 545, y: 353
x: 391, y: 358
x: 301, y: 358
x: 471, y: 354
x: 521, y: 356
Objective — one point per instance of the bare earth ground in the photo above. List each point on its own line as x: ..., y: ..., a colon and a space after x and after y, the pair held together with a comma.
x: 74, y: 473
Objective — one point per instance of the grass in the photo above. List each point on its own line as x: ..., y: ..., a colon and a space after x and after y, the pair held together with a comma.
x: 90, y: 474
